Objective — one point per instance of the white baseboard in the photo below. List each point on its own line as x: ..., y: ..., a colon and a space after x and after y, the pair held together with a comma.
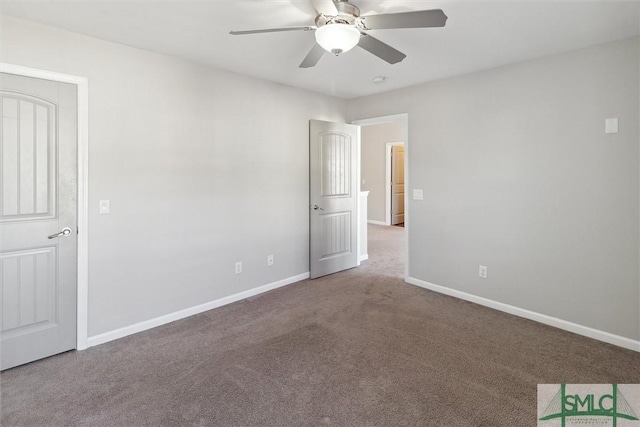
x: 172, y: 317
x: 364, y: 257
x: 532, y: 315
x: 373, y: 221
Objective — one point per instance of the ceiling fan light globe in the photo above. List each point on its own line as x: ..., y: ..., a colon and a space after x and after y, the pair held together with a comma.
x: 337, y: 38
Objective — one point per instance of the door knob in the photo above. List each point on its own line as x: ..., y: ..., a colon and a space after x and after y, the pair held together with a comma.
x: 316, y: 207
x: 63, y: 233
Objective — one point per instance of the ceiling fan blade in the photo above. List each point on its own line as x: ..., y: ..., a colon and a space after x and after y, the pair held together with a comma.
x: 418, y: 19
x: 313, y: 56
x: 271, y: 30
x: 326, y: 7
x: 380, y: 49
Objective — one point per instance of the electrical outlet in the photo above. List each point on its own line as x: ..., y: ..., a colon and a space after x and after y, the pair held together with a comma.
x: 270, y: 260
x: 483, y: 271
x: 105, y: 207
x: 238, y: 267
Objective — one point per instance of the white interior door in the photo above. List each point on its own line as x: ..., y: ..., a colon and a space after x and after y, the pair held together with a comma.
x: 333, y: 197
x: 38, y: 218
x: 397, y: 184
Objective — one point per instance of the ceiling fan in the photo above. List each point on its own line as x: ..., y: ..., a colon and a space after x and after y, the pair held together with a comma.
x: 339, y: 27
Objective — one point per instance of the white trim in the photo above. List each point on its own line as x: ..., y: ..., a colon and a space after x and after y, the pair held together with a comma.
x: 532, y: 315
x: 373, y: 221
x: 363, y: 236
x: 387, y: 180
x: 358, y: 192
x: 382, y: 119
x: 82, y: 84
x: 404, y: 118
x: 177, y: 315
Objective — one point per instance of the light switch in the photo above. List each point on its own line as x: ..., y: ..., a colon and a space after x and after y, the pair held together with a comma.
x: 418, y: 195
x: 611, y: 125
x: 104, y: 207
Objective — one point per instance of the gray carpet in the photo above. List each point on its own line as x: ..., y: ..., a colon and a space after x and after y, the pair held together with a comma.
x: 356, y: 348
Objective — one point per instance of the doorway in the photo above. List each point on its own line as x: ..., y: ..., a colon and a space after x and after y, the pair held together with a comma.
x: 394, y: 179
x: 375, y: 172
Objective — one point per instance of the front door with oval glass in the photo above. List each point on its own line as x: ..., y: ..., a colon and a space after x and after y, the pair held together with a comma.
x: 38, y: 212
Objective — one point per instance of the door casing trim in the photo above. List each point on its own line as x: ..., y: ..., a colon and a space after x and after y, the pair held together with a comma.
x: 82, y: 84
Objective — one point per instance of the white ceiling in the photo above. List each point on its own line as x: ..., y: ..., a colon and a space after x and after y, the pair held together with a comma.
x: 478, y: 35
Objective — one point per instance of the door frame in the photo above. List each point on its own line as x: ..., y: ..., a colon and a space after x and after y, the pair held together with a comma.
x: 404, y: 118
x: 387, y: 180
x: 82, y: 84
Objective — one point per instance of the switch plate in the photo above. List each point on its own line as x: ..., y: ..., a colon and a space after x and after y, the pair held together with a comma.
x: 483, y: 271
x: 270, y: 260
x: 105, y: 207
x: 418, y: 194
x: 611, y: 125
x: 238, y: 267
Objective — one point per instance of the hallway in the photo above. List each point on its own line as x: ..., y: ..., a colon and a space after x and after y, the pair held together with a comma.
x: 386, y: 248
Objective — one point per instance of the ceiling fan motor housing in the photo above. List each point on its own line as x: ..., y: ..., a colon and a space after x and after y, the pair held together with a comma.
x: 347, y: 14
x: 346, y: 8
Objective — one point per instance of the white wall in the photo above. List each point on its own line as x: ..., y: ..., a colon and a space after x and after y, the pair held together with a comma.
x: 517, y: 171
x: 203, y: 168
x: 519, y: 175
x: 373, y: 158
